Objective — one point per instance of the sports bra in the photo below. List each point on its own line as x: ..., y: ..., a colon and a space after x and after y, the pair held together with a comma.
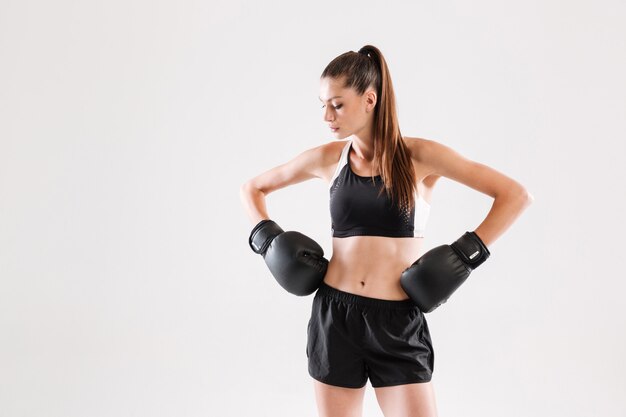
x: 357, y: 210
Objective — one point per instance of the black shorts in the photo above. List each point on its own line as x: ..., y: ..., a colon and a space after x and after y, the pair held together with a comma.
x: 351, y: 338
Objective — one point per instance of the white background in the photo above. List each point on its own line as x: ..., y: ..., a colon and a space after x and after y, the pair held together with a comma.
x: 127, y: 286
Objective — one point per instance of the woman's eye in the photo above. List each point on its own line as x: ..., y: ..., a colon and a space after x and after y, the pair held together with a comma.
x: 336, y: 107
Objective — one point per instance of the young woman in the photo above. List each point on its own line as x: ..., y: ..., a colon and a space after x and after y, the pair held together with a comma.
x: 365, y: 321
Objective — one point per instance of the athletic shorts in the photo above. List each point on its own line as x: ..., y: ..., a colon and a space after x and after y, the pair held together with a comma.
x: 351, y: 338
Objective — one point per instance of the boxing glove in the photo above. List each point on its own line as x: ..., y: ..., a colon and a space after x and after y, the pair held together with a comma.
x: 432, y: 279
x: 296, y: 261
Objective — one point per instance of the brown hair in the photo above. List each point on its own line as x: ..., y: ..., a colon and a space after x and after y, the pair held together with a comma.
x: 362, y: 70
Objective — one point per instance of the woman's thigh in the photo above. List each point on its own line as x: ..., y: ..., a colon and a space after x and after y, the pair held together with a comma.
x: 407, y: 400
x: 333, y: 401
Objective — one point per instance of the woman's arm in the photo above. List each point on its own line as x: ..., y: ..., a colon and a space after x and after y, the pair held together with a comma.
x: 308, y: 164
x: 296, y: 261
x: 510, y: 197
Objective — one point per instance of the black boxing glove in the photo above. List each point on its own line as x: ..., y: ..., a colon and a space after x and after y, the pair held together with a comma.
x: 296, y: 261
x: 432, y: 279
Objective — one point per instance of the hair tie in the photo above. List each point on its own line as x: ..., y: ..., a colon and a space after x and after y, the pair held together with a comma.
x: 361, y: 51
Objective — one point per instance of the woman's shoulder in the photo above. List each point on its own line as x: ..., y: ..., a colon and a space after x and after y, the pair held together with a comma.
x: 419, y: 147
x: 425, y: 154
x: 331, y: 151
x: 325, y: 156
x: 327, y: 151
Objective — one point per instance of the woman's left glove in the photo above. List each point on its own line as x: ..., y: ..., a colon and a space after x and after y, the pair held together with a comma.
x: 432, y: 279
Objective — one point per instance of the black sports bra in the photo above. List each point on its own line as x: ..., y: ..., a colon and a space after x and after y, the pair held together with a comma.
x: 357, y: 210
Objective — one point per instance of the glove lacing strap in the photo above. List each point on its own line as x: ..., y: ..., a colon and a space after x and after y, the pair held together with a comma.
x: 471, y: 249
x: 262, y: 235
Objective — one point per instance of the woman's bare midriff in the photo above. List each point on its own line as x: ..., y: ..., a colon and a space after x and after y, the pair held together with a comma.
x: 371, y: 265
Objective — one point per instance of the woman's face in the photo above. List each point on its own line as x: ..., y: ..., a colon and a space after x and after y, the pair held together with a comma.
x: 344, y: 109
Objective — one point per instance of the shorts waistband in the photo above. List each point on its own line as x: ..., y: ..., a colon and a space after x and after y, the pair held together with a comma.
x: 328, y: 291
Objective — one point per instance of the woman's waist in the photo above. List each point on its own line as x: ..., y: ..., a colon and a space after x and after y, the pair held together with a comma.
x: 371, y: 265
x: 371, y: 279
x: 376, y: 247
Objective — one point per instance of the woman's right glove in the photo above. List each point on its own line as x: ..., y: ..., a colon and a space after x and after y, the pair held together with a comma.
x: 432, y: 279
x: 296, y: 261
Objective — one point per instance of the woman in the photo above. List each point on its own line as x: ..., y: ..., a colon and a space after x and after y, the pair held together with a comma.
x: 363, y: 325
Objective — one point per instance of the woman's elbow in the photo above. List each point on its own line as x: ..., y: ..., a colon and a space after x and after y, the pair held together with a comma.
x: 526, y: 197
x: 519, y: 194
x: 244, y: 190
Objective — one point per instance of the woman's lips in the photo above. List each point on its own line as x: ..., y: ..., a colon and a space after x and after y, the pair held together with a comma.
x: 334, y: 129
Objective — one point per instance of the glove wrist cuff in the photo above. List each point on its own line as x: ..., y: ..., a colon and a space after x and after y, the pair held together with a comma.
x: 471, y: 249
x: 262, y: 235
